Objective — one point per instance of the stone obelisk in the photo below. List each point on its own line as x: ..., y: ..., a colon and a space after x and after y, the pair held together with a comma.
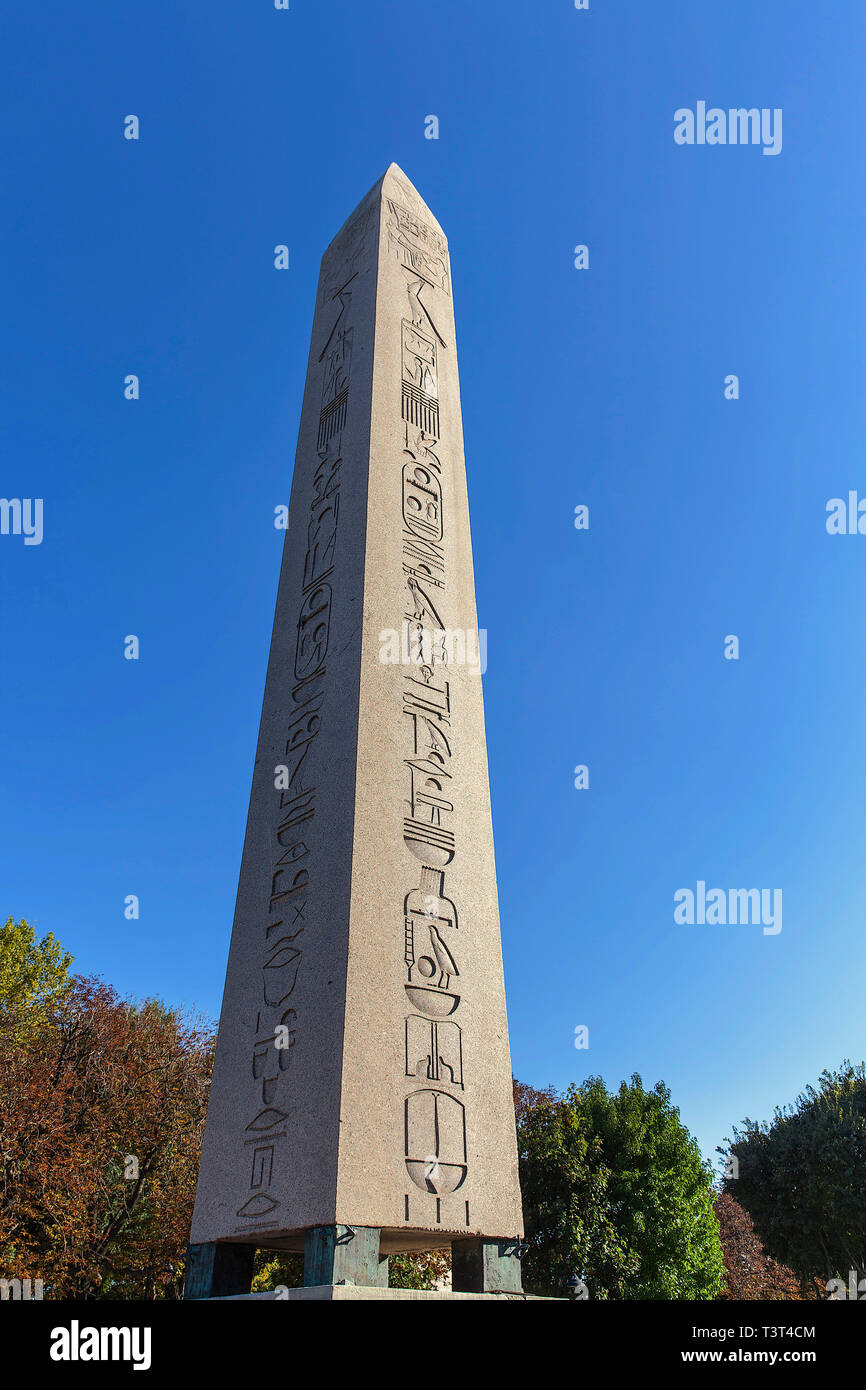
x: 361, y: 1099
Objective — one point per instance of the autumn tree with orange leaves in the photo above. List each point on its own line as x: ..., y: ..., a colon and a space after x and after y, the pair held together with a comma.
x: 101, y: 1112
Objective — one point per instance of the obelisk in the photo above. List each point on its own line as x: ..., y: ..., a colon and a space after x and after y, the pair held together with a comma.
x: 361, y: 1101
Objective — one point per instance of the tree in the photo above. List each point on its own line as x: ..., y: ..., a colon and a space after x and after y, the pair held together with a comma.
x: 615, y: 1193
x: 527, y: 1097
x: 33, y: 974
x: 661, y: 1191
x: 802, y: 1177
x: 101, y: 1112
x: 422, y: 1271
x: 570, y: 1230
x: 749, y: 1272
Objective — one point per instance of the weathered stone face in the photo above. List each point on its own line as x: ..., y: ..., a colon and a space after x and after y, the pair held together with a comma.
x: 366, y: 934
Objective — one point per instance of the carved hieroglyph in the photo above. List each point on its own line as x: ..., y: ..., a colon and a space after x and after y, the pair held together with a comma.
x: 362, y: 1073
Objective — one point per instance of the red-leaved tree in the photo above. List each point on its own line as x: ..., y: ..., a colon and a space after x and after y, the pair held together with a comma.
x: 102, y: 1106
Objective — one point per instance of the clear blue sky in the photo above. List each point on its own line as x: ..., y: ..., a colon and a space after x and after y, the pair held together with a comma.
x: 604, y: 387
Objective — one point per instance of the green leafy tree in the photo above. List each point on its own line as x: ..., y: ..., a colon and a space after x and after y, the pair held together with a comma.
x: 802, y: 1177
x: 570, y: 1230
x: 33, y: 974
x: 615, y: 1194
x: 422, y: 1271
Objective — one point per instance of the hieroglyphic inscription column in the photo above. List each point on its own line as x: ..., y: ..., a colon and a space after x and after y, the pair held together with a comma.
x: 362, y: 1075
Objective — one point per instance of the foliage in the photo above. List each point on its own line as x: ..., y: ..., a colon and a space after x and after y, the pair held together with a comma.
x: 570, y: 1231
x: 101, y: 1113
x: 527, y: 1097
x: 749, y: 1272
x: 615, y: 1193
x: 802, y: 1178
x: 274, y: 1269
x: 33, y: 974
x: 422, y: 1271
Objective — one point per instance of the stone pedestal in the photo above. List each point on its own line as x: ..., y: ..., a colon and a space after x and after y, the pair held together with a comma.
x: 350, y: 1293
x: 339, y: 1255
x: 218, y: 1271
x: 486, y: 1266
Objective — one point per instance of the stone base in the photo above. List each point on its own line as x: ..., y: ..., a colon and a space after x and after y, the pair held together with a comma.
x: 351, y: 1257
x: 350, y: 1293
